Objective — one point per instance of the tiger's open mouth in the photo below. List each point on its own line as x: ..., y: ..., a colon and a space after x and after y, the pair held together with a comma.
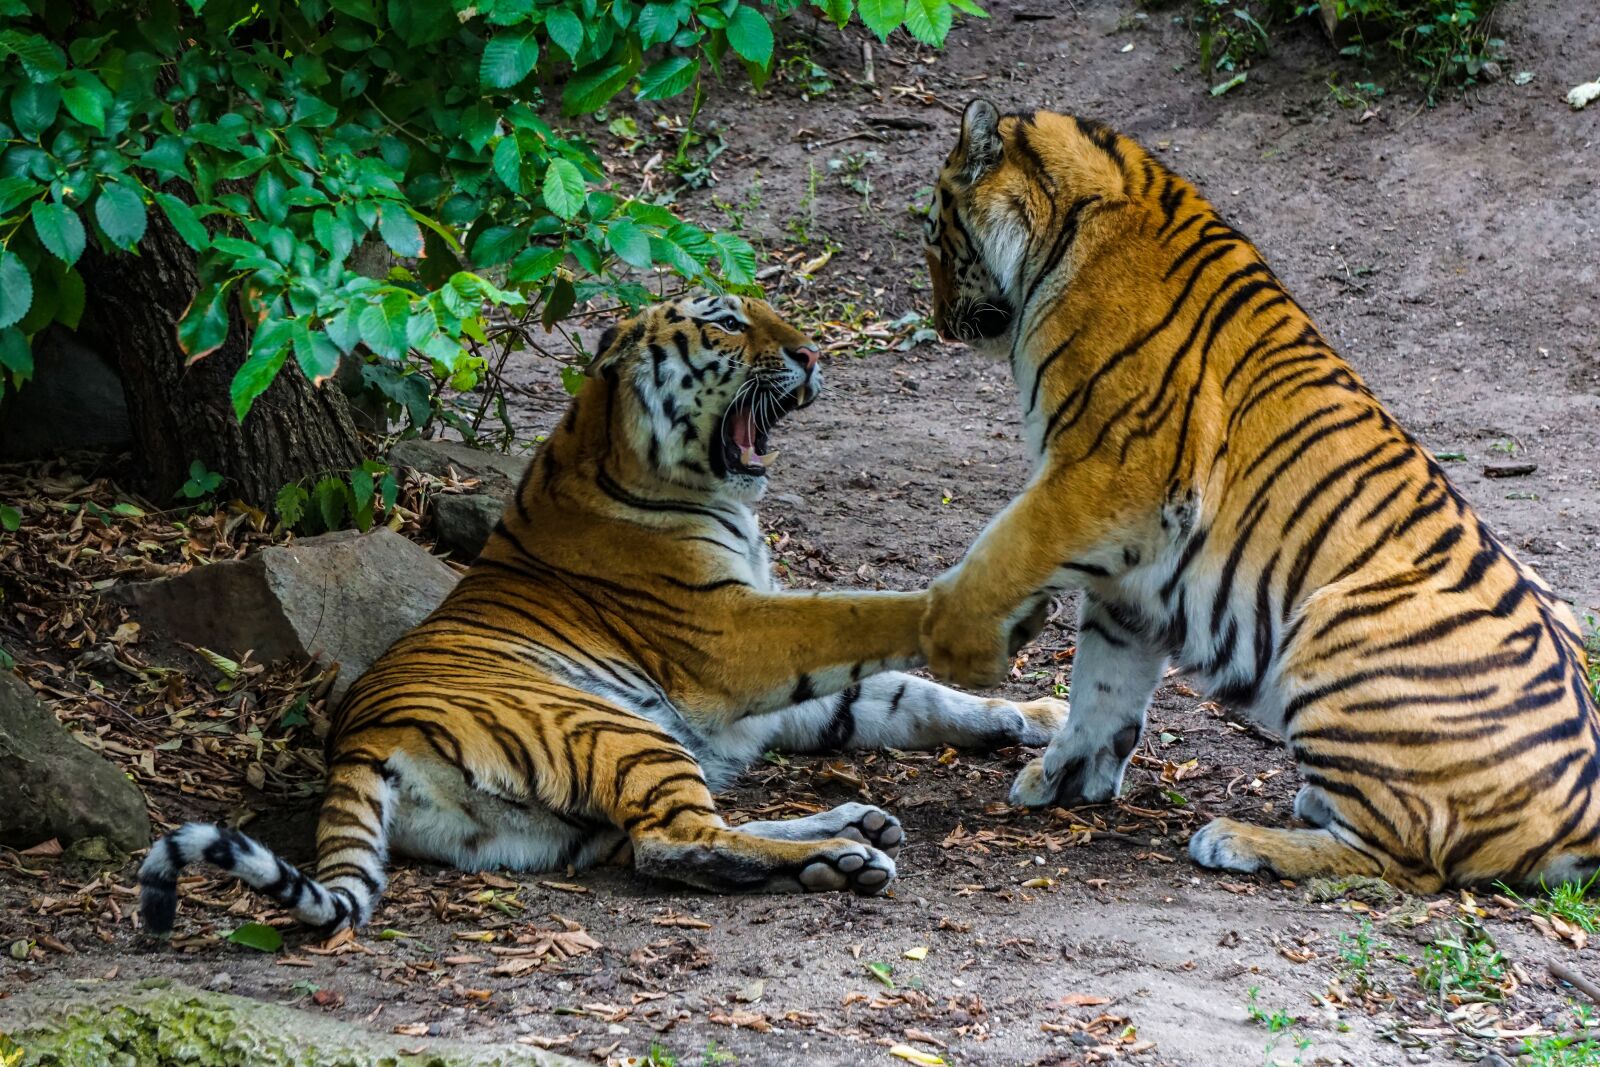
x: 741, y: 445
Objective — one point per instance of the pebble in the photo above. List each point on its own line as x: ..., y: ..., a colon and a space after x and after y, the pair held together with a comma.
x: 220, y: 982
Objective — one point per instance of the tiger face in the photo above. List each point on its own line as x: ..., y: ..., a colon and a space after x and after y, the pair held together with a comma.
x: 1010, y: 200
x: 701, y: 382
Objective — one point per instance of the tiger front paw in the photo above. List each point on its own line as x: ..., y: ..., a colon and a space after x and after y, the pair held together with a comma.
x: 969, y: 652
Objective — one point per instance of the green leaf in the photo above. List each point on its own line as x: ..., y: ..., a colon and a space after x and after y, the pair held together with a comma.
x: 928, y: 20
x: 750, y: 35
x: 737, y: 257
x: 668, y: 77
x: 508, y: 163
x: 560, y: 301
x: 34, y: 108
x: 507, y: 59
x: 121, y: 215
x: 656, y: 24
x: 882, y: 972
x: 565, y: 30
x: 317, y: 355
x: 249, y: 382
x: 15, y: 356
x: 572, y: 379
x: 882, y: 17
x: 970, y: 8
x: 630, y: 243
x: 383, y: 325
x: 564, y: 188
x: 185, y: 221
x: 589, y: 92
x: 204, y: 325
x: 16, y: 288
x: 259, y: 936
x: 10, y: 518
x: 838, y: 11
x: 291, y: 506
x: 42, y: 60
x: 87, y: 104
x: 15, y: 191
x: 60, y: 230
x: 166, y: 157
x: 69, y: 298
x: 400, y: 231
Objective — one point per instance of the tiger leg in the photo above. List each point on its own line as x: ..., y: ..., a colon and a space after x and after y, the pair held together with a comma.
x: 1229, y: 845
x: 661, y: 799
x: 893, y: 710
x: 855, y: 822
x: 1113, y: 677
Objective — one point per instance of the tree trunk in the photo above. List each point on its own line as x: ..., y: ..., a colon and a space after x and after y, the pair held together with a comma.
x: 184, y: 414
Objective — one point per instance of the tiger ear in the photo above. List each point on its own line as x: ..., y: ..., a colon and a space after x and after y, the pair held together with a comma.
x: 608, y: 339
x: 981, y: 148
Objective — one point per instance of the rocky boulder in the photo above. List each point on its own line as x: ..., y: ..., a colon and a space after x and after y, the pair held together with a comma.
x: 463, y: 521
x: 340, y: 598
x: 55, y: 786
x: 75, y: 401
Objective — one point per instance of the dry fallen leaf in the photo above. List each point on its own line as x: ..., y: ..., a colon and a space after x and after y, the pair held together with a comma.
x: 1082, y: 1000
x: 920, y: 952
x: 911, y: 1055
x: 749, y: 1020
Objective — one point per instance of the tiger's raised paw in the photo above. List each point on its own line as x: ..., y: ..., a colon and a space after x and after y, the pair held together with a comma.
x: 870, y: 826
x: 861, y: 869
x: 1223, y: 845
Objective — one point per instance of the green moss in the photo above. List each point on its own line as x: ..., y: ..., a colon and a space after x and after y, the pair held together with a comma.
x: 156, y: 1024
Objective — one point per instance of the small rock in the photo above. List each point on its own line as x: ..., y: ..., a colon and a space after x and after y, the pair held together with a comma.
x: 464, y: 521
x: 55, y: 786
x: 1490, y: 71
x: 496, y: 472
x: 220, y: 982
x: 340, y: 598
x: 1508, y: 470
x: 92, y: 850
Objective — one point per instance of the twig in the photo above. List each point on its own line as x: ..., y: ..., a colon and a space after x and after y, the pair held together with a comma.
x: 897, y: 122
x: 1575, y: 980
x: 862, y: 135
x: 869, y: 72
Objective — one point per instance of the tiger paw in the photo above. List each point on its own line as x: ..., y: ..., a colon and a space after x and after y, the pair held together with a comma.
x: 1042, y: 720
x: 859, y: 868
x: 870, y: 826
x: 1223, y: 845
x: 1079, y: 780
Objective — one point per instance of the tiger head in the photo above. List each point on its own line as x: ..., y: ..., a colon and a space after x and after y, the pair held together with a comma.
x: 699, y: 382
x: 1008, y: 202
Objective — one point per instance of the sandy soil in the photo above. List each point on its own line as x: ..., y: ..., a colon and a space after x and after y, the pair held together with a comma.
x: 1449, y: 253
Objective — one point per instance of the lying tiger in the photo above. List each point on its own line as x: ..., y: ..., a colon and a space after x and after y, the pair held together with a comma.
x: 1230, y: 497
x: 617, y: 652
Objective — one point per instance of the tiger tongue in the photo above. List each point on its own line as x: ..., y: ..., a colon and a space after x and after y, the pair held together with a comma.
x: 743, y: 432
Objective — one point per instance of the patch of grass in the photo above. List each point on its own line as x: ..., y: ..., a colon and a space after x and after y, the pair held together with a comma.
x: 1569, y: 901
x: 1357, y: 953
x: 1572, y: 1048
x: 1466, y: 966
x: 1591, y: 646
x: 1279, y: 1025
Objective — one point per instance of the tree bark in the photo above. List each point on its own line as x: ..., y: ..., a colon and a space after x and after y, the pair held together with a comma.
x: 181, y: 414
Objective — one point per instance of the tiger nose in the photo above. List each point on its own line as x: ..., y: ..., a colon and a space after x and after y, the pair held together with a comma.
x: 806, y: 356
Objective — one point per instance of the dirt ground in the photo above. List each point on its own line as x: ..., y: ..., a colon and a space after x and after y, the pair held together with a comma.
x: 1448, y: 252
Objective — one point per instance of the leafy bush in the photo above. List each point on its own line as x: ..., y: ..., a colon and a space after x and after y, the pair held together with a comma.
x: 278, y: 137
x: 1439, y: 42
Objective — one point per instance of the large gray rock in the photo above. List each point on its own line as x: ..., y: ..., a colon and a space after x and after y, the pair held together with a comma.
x: 75, y: 401
x: 464, y: 521
x: 56, y: 786
x: 498, y: 473
x: 340, y: 598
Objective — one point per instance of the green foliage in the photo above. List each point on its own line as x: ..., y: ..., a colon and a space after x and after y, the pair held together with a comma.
x: 1466, y: 965
x: 278, y: 137
x: 201, y: 482
x: 335, y: 501
x: 1569, y: 901
x: 258, y: 936
x: 1572, y: 1048
x: 1279, y: 1025
x: 1439, y: 42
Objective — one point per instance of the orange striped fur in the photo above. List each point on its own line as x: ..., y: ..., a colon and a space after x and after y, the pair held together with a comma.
x: 619, y: 650
x: 1231, y: 498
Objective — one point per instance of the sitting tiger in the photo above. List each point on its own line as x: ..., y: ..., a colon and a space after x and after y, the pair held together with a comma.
x: 1229, y: 496
x: 618, y: 651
